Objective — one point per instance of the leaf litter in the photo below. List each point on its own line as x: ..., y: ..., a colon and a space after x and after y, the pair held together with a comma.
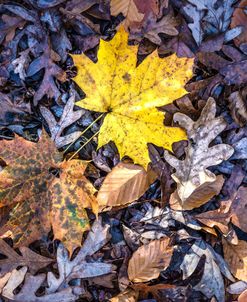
x: 145, y: 198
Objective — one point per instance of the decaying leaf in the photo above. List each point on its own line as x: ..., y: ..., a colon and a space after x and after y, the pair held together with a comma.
x: 130, y: 95
x: 44, y: 192
x: 211, y: 283
x: 149, y: 260
x: 124, y: 184
x: 68, y: 117
x: 236, y: 257
x: 27, y: 258
x: 191, y: 173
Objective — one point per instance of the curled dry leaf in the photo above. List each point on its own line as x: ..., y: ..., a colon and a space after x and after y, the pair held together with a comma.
x: 149, y: 260
x: 129, y: 95
x: 43, y: 192
x: 27, y: 258
x: 68, y: 117
x: 124, y: 184
x: 191, y: 173
x: 236, y: 257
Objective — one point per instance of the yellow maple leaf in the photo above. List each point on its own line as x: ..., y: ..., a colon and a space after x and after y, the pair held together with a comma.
x: 130, y: 95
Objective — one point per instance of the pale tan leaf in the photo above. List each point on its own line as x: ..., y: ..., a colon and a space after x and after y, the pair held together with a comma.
x: 124, y: 184
x: 128, y: 295
x: 149, y: 260
x: 191, y: 173
x: 236, y: 257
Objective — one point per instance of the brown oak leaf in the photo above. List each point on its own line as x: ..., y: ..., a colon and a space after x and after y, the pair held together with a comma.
x: 44, y: 191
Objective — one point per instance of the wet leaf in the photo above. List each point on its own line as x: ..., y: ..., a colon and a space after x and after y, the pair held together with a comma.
x: 128, y: 98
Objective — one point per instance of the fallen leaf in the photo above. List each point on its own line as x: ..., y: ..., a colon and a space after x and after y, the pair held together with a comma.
x: 200, y: 195
x: 219, y: 218
x: 239, y: 18
x: 13, y: 111
x: 191, y: 174
x: 79, y: 267
x: 238, y: 209
x: 207, y: 15
x: 236, y: 257
x: 211, y: 283
x: 149, y: 260
x: 68, y: 117
x: 130, y: 99
x: 44, y: 192
x: 128, y: 295
x: 129, y: 10
x: 124, y: 184
x: 238, y: 106
x: 47, y: 61
x: 151, y: 29
x: 27, y: 258
x: 31, y: 285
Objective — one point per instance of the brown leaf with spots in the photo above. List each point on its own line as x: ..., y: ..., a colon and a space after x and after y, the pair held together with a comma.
x: 195, y: 183
x: 124, y: 184
x: 43, y: 192
x: 149, y: 260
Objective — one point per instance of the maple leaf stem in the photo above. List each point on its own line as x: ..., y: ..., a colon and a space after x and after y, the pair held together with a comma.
x: 84, y: 131
x: 83, y: 145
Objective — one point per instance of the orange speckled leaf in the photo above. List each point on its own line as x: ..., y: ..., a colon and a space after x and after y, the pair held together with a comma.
x: 43, y: 191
